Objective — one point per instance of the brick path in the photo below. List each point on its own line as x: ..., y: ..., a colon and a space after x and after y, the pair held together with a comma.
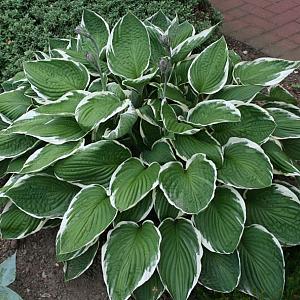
x: 272, y: 26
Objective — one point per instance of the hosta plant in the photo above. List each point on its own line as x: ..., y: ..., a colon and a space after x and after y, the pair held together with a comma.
x: 7, y: 277
x: 177, y: 160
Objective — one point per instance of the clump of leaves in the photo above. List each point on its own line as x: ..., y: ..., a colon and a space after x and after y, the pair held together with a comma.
x: 124, y: 130
x: 7, y: 277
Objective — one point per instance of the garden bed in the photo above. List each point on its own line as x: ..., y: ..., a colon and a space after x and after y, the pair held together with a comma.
x: 39, y: 276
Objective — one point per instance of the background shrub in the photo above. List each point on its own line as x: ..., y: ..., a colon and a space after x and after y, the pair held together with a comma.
x: 26, y: 25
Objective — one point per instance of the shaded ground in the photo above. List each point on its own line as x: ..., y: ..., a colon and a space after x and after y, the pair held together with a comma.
x: 40, y: 277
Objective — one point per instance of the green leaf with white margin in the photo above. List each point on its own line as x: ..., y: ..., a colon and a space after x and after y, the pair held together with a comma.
x: 180, y: 71
x: 150, y: 290
x: 52, y: 223
x: 286, y: 106
x: 128, y: 49
x: 95, y: 86
x: 161, y: 152
x: 281, y: 162
x: 139, y: 83
x: 213, y: 112
x: 147, y: 113
x: 16, y: 164
x: 92, y: 164
x: 192, y: 188
x: 245, y: 165
x: 291, y: 187
x: 162, y: 207
x: 176, y: 95
x: 288, y: 124
x: 278, y: 93
x: 220, y: 272
x: 63, y: 106
x: 137, y: 213
x: 131, y: 182
x: 209, y: 71
x: 186, y: 47
x: 14, y: 104
x: 179, y: 32
x: 57, y: 43
x: 98, y: 30
x: 172, y: 123
x: 8, y: 294
x: 4, y: 122
x: 149, y: 133
x: 4, y: 164
x: 155, y: 105
x: 180, y: 262
x: 8, y: 271
x: 245, y: 93
x: 71, y: 255
x: 256, y: 124
x: 221, y: 224
x: 14, y: 82
x: 15, y: 224
x: 51, y: 79
x: 277, y: 208
x: 42, y: 196
x: 262, y: 264
x: 160, y: 20
x: 291, y: 148
x: 124, y: 126
x: 88, y: 215
x: 48, y: 128
x: 263, y: 71
x: 157, y: 49
x: 49, y: 154
x: 14, y: 145
x: 97, y: 108
x: 116, y: 89
x: 140, y: 245
x: 3, y: 201
x: 201, y: 142
x: 75, y: 267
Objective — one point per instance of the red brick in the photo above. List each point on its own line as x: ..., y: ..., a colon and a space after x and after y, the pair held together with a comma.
x: 287, y: 30
x: 282, y: 6
x: 259, y: 3
x: 272, y: 51
x: 286, y: 45
x: 228, y: 17
x: 233, y: 26
x: 254, y: 10
x: 286, y: 17
x: 258, y: 22
x: 293, y: 54
x: 227, y: 5
x: 246, y: 35
x: 295, y: 38
x: 264, y: 40
x: 238, y: 12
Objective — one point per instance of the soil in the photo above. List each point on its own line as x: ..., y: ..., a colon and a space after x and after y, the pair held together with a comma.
x: 40, y: 277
